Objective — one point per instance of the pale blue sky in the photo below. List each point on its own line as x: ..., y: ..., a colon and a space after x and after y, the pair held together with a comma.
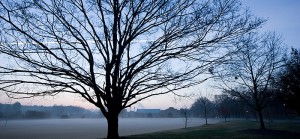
x: 283, y: 17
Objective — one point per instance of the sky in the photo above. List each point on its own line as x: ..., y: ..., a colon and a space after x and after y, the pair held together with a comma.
x: 283, y: 17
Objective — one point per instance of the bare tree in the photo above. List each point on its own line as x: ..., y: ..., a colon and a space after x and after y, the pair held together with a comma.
x: 114, y: 53
x: 185, y: 112
x: 251, y: 70
x: 203, y: 105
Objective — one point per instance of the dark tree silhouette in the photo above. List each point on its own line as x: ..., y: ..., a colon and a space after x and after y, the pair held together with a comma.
x: 288, y: 82
x: 185, y: 112
x: 114, y: 53
x: 224, y: 105
x: 252, y: 69
x: 202, y: 106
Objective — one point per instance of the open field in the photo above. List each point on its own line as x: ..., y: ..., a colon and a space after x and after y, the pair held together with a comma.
x: 232, y: 129
x: 88, y: 128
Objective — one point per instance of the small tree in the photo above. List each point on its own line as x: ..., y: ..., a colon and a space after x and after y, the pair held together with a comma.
x: 202, y: 106
x: 185, y: 112
x: 249, y: 74
x: 114, y: 53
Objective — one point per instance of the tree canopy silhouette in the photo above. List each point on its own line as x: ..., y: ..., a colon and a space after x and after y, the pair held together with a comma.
x: 114, y: 53
x: 288, y: 80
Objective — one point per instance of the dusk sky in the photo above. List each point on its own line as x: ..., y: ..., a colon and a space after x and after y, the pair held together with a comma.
x: 283, y: 17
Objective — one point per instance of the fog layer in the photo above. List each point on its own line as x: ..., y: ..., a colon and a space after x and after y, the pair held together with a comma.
x: 88, y: 128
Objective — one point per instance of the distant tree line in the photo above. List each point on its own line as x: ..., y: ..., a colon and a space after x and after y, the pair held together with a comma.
x: 225, y: 106
x: 18, y: 111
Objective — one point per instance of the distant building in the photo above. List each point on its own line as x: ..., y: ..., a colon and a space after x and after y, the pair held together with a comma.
x: 149, y: 113
x: 170, y: 113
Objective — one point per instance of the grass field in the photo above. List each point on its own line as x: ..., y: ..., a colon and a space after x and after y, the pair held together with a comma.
x: 232, y: 130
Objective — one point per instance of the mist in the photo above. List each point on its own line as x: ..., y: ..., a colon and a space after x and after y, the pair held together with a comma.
x: 91, y: 128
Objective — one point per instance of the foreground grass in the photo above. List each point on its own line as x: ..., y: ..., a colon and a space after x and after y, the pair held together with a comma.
x: 232, y: 129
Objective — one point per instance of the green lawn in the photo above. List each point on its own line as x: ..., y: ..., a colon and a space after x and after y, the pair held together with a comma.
x: 231, y: 129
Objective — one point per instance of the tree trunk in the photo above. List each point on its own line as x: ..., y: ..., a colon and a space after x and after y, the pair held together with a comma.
x: 261, y: 119
x: 205, y: 115
x: 186, y: 120
x: 113, y: 126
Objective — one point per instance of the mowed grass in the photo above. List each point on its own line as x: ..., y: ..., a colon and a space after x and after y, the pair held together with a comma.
x: 230, y: 130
